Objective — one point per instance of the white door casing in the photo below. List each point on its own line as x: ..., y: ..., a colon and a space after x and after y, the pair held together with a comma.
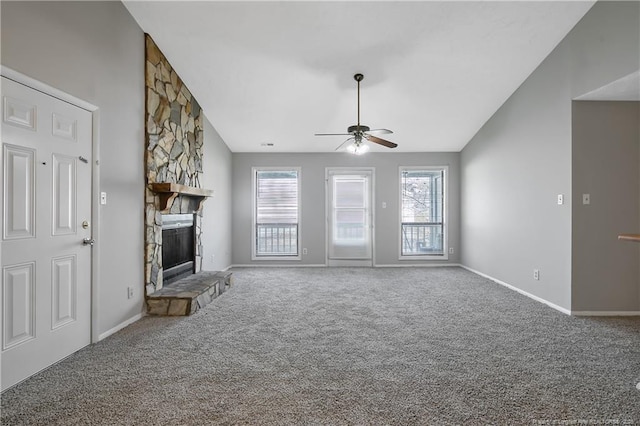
x: 46, y: 199
x: 349, y: 217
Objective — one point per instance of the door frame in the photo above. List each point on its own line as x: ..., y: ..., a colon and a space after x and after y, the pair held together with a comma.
x: 345, y: 169
x: 95, y: 180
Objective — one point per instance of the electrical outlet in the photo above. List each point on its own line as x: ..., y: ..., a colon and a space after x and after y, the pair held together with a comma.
x: 536, y: 274
x: 450, y: 250
x: 304, y: 251
x: 129, y: 292
x: 586, y: 199
x: 213, y: 257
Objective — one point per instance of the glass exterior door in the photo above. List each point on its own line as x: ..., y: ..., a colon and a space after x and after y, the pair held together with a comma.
x: 349, y: 217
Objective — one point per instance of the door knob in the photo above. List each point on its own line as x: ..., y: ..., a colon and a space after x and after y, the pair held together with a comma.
x: 88, y: 241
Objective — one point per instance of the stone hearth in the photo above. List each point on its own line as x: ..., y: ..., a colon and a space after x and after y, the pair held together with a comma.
x: 186, y: 296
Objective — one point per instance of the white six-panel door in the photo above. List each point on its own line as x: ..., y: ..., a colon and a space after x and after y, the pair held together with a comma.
x: 46, y: 198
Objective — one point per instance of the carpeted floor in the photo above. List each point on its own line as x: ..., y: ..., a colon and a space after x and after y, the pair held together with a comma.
x: 357, y: 346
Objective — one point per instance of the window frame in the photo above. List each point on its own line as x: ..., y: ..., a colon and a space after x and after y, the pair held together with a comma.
x: 254, y: 214
x: 445, y: 210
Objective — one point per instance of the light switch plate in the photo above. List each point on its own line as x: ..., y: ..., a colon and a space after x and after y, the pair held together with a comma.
x: 586, y: 199
x: 103, y: 198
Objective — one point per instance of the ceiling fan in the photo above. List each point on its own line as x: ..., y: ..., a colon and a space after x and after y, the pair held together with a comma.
x: 360, y: 132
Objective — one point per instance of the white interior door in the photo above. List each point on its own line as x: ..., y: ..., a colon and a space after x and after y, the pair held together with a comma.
x: 46, y: 198
x: 349, y: 217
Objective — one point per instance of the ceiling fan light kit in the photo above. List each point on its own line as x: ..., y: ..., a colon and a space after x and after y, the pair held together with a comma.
x: 357, y: 148
x: 359, y: 132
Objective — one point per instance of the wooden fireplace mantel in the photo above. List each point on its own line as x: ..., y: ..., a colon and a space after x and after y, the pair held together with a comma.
x: 630, y: 237
x: 169, y: 191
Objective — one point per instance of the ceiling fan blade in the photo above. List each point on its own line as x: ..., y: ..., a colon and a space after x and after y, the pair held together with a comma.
x: 342, y: 144
x: 379, y: 141
x: 380, y: 131
x: 333, y: 134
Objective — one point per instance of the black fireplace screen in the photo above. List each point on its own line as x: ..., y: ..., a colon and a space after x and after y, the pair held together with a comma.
x: 178, y: 247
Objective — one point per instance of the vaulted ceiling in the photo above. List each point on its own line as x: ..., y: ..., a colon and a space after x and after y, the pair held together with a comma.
x: 278, y: 72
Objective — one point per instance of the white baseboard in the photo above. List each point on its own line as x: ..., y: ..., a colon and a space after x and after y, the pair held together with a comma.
x: 322, y: 265
x: 524, y: 293
x: 271, y: 265
x: 418, y: 265
x: 120, y: 326
x: 606, y: 313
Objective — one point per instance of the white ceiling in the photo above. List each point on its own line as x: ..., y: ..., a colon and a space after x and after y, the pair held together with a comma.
x: 278, y: 72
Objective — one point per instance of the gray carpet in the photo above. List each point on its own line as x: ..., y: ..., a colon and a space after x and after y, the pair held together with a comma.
x: 355, y: 346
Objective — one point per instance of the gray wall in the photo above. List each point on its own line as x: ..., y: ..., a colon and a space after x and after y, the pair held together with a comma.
x: 95, y: 52
x: 517, y: 164
x: 313, y: 222
x: 606, y: 165
x: 216, y: 221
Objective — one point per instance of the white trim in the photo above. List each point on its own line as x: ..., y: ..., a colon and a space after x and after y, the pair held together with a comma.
x: 95, y: 232
x: 347, y: 263
x: 284, y: 258
x: 419, y: 265
x: 120, y: 326
x: 320, y: 265
x: 270, y: 265
x: 445, y: 212
x: 509, y: 286
x: 95, y: 176
x: 45, y: 88
x: 606, y: 313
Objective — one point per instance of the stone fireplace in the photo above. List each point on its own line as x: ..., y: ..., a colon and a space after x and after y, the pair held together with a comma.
x: 174, y: 281
x: 173, y: 163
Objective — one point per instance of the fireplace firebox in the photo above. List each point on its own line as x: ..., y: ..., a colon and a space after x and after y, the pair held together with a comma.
x: 178, y: 247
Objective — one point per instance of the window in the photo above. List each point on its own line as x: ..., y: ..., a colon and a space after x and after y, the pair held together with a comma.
x: 276, y: 212
x: 422, y: 204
